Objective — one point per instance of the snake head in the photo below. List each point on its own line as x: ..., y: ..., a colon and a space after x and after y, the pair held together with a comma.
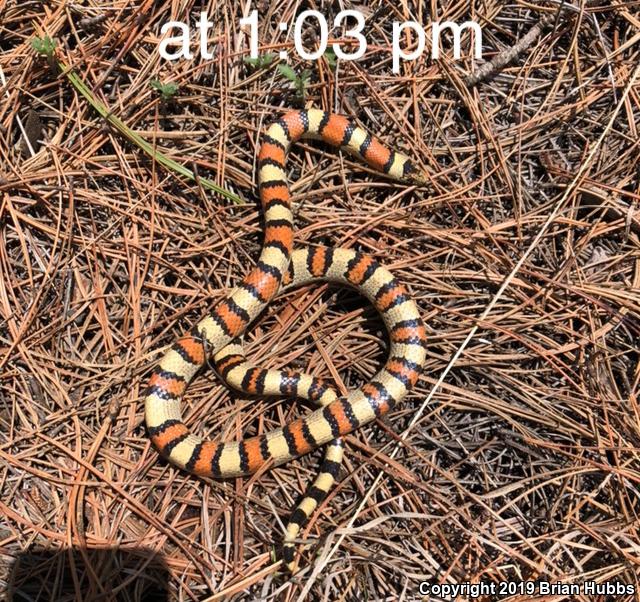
x: 413, y: 175
x: 418, y: 178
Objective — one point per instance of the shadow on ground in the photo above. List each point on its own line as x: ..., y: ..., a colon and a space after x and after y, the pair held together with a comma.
x: 89, y: 574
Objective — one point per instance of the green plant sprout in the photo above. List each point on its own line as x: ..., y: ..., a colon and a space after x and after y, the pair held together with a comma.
x: 260, y: 62
x: 45, y: 47
x: 167, y: 91
x: 300, y: 81
x: 331, y: 58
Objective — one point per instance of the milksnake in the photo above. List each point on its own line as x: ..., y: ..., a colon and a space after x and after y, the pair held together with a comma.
x: 278, y: 266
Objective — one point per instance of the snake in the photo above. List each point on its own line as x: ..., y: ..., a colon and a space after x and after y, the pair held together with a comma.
x: 277, y: 269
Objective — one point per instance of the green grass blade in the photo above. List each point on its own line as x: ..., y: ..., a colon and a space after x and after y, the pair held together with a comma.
x: 140, y: 142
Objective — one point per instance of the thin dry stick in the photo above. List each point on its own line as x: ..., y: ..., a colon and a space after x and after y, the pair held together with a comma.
x: 489, y: 69
x: 318, y: 569
x: 502, y: 59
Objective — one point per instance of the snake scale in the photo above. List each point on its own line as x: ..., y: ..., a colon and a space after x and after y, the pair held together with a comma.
x: 279, y: 267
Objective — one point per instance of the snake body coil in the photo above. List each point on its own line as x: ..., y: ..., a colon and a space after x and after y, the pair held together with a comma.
x: 276, y: 265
